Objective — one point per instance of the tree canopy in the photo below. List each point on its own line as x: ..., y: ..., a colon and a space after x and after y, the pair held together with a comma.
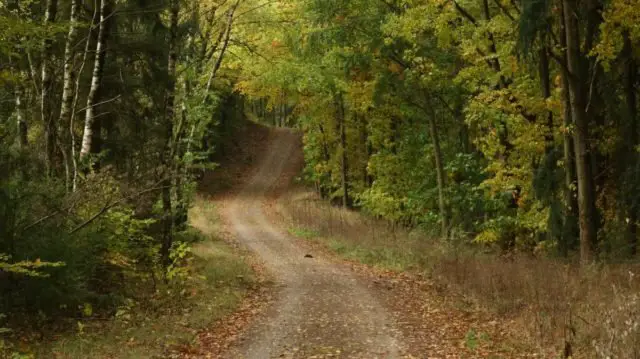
x: 504, y: 123
x: 499, y: 122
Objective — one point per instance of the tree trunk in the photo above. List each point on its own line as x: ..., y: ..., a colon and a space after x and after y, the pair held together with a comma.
x: 577, y: 90
x: 225, y: 45
x: 366, y: 150
x: 90, y: 129
x: 21, y: 121
x: 631, y: 70
x: 570, y: 227
x: 545, y: 84
x: 69, y: 71
x: 326, y: 158
x: 76, y: 96
x: 440, y: 174
x: 465, y: 142
x: 285, y: 111
x: 343, y: 146
x: 167, y: 156
x: 45, y: 92
x: 181, y: 170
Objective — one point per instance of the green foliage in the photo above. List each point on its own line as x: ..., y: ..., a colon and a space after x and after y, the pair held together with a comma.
x: 477, y: 70
x: 303, y: 233
x: 217, y: 280
x: 473, y: 339
x: 26, y: 268
x: 79, y: 233
x: 424, y: 113
x: 178, y: 256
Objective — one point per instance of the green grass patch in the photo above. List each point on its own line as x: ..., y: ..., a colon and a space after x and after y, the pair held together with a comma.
x: 217, y: 280
x: 303, y: 233
x: 387, y: 257
x: 393, y: 259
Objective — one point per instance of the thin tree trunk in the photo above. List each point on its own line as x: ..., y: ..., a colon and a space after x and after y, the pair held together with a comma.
x: 465, y: 143
x: 181, y: 167
x: 343, y: 146
x: 631, y: 70
x: 570, y: 200
x: 45, y: 91
x: 586, y: 190
x: 33, y: 72
x: 65, y: 162
x: 88, y: 136
x: 76, y: 96
x: 545, y: 84
x: 440, y: 174
x: 285, y: 111
x: 225, y: 44
x: 21, y: 121
x: 274, y: 115
x: 167, y: 157
x: 212, y: 74
x: 69, y: 72
x: 366, y: 150
x: 326, y: 158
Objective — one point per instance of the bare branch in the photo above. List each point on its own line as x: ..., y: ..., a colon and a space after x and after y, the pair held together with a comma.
x: 107, y: 207
x: 100, y: 103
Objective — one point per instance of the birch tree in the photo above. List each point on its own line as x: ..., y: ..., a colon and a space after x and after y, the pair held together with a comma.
x: 68, y: 78
x: 46, y: 87
x: 91, y: 130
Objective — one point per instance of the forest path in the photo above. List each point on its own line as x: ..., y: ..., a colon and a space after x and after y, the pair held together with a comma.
x: 321, y: 308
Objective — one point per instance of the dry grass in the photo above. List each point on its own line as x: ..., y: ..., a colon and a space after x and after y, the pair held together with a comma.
x: 553, y: 306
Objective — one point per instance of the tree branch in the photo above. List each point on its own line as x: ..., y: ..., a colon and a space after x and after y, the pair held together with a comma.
x: 465, y: 13
x: 100, y: 103
x: 107, y: 207
x: 505, y: 10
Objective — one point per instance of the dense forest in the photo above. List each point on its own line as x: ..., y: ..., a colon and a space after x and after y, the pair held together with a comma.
x: 110, y: 111
x: 498, y: 122
x: 504, y: 124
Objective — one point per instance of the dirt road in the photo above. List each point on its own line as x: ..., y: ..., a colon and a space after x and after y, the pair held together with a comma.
x: 322, y: 310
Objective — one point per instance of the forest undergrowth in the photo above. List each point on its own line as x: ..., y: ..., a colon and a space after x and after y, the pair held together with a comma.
x: 156, y: 321
x: 552, y: 306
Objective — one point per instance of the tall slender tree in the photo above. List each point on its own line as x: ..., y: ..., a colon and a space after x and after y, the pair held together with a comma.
x: 168, y: 118
x: 47, y: 86
x: 68, y: 78
x: 578, y: 89
x: 91, y: 126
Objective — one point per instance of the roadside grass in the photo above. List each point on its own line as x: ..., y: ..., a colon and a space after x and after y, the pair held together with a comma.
x: 553, y: 306
x: 303, y: 233
x: 214, y: 282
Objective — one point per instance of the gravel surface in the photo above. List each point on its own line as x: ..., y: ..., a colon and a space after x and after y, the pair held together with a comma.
x: 321, y: 308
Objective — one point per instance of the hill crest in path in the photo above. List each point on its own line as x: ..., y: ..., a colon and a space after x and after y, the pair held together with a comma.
x: 238, y: 156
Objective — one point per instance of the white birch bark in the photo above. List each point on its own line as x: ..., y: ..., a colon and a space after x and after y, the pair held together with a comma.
x: 96, y: 80
x: 69, y: 73
x: 74, y: 106
x: 21, y: 121
x: 45, y: 92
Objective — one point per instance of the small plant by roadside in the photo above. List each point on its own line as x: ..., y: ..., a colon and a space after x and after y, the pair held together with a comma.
x: 473, y: 339
x: 303, y: 232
